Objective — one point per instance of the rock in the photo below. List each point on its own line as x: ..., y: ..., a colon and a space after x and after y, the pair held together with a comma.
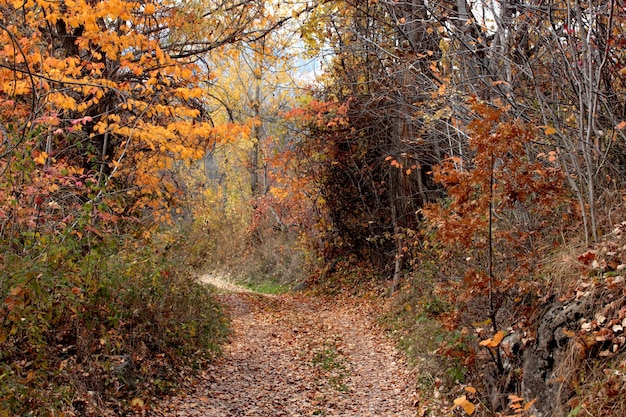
x: 545, y: 364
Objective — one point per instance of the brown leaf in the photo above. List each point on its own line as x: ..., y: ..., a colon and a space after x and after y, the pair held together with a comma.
x: 587, y: 257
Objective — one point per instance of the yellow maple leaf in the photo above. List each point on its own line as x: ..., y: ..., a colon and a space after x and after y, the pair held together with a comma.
x: 466, y: 405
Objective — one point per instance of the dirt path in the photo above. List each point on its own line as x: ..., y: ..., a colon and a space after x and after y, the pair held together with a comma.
x: 297, y: 356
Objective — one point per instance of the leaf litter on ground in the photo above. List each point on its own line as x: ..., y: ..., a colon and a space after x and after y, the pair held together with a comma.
x: 295, y: 355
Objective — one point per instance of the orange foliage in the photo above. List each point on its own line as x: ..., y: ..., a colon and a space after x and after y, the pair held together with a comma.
x: 110, y: 87
x: 527, y: 188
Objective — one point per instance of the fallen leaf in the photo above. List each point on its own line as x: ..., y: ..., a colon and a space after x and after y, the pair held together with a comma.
x: 587, y: 257
x: 137, y: 403
x: 568, y: 332
x: 467, y: 406
x: 529, y: 404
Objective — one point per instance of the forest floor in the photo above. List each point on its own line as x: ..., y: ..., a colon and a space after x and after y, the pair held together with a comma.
x: 297, y: 355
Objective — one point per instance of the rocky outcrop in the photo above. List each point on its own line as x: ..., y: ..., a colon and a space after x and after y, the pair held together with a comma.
x: 545, y: 362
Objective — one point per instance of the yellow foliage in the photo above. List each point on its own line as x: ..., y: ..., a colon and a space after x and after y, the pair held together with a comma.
x: 466, y: 405
x: 41, y: 158
x: 119, y: 69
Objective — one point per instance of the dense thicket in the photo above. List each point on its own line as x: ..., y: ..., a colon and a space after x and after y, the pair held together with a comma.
x: 404, y: 71
x: 461, y: 145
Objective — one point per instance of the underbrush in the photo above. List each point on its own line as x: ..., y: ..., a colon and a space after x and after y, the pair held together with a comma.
x: 594, y: 362
x: 559, y: 348
x: 94, y: 327
x: 266, y: 260
x: 442, y: 354
x: 348, y: 276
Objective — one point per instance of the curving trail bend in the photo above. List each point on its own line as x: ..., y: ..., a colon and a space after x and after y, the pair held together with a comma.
x: 293, y: 355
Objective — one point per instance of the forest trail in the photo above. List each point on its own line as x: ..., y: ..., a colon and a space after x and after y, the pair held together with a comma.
x: 293, y: 355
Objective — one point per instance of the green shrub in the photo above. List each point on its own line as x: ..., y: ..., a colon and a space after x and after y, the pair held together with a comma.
x: 88, y: 325
x: 418, y: 321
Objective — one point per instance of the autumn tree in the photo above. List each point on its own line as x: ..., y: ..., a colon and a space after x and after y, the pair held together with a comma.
x: 124, y: 80
x: 495, y: 220
x: 245, y: 190
x: 100, y: 103
x: 407, y: 68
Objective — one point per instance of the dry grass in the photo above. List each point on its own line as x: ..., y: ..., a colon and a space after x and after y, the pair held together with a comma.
x: 561, y: 270
x: 594, y: 368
